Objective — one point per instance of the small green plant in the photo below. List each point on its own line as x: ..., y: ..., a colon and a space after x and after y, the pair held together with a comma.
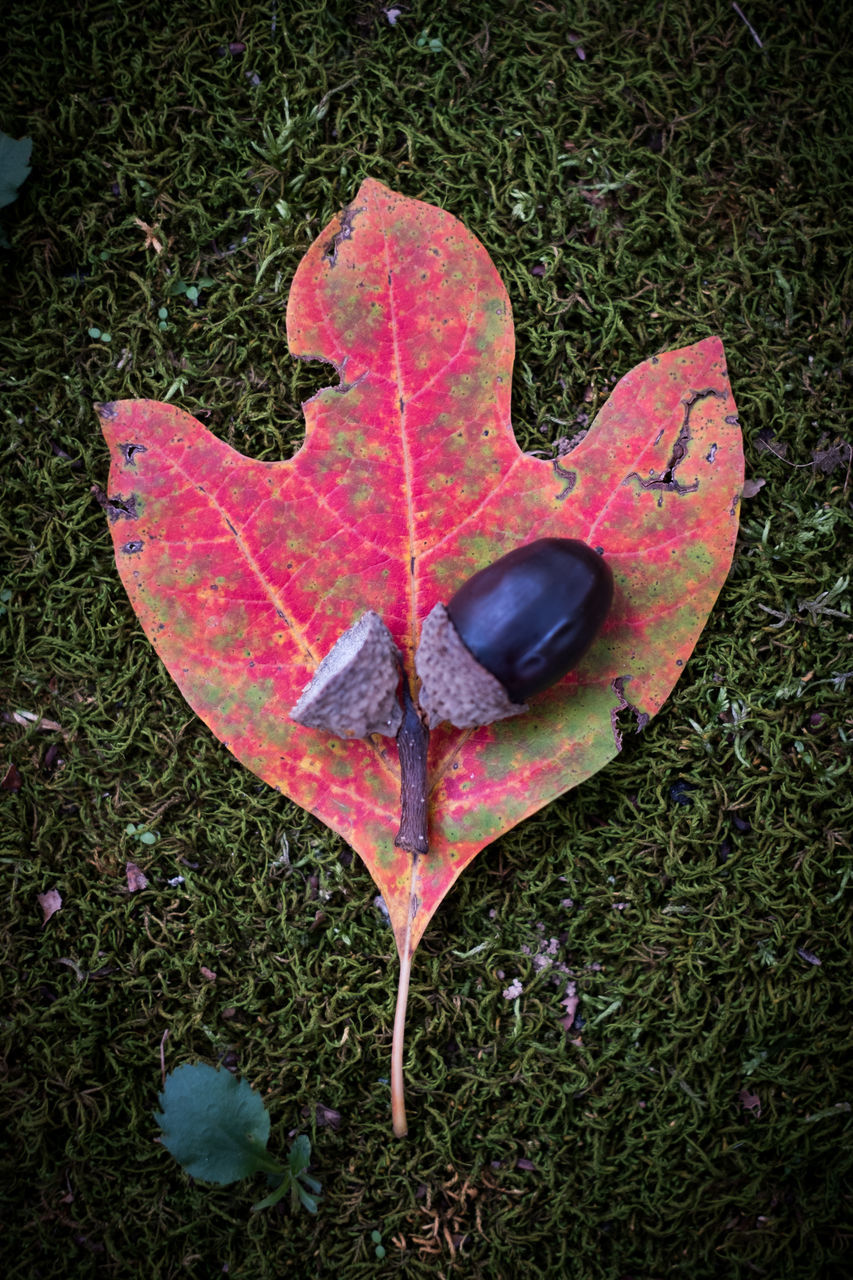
x: 179, y: 288
x: 142, y: 834
x: 376, y: 1237
x: 96, y: 333
x: 524, y: 205
x: 426, y: 41
x: 14, y: 168
x: 217, y: 1128
x: 753, y: 1062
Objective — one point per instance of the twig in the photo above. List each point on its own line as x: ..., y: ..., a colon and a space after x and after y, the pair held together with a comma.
x: 796, y: 465
x: 163, y: 1040
x: 412, y: 744
x: 740, y: 13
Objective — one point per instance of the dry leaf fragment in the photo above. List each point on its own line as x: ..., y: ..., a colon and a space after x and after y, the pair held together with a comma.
x: 49, y: 902
x: 208, y: 974
x: 751, y: 487
x: 828, y: 458
x: 12, y: 780
x: 570, y: 1004
x: 766, y: 441
x: 326, y: 1117
x: 28, y: 718
x: 151, y: 241
x: 750, y: 1102
x: 136, y: 879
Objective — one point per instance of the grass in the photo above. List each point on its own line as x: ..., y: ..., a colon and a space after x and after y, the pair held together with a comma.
x: 642, y: 175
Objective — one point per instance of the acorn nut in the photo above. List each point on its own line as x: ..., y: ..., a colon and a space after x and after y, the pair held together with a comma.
x: 512, y: 630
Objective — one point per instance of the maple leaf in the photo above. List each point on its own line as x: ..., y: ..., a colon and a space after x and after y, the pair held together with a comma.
x: 245, y: 573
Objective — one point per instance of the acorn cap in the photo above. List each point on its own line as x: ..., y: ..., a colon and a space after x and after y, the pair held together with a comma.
x: 454, y: 686
x: 354, y: 690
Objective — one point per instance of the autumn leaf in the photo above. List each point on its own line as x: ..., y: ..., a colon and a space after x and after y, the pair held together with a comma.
x: 245, y: 573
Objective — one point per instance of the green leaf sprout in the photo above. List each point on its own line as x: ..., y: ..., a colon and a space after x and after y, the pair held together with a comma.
x: 14, y: 166
x: 217, y: 1127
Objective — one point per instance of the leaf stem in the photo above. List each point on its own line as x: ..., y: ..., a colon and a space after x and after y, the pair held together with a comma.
x: 265, y: 1164
x: 413, y: 836
x: 398, y: 1098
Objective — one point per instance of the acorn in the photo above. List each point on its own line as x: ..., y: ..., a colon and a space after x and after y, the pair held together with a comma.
x: 512, y: 630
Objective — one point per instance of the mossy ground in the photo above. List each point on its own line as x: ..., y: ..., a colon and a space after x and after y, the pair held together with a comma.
x: 642, y: 175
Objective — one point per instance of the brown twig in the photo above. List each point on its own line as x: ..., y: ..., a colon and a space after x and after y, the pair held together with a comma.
x: 163, y: 1040
x: 412, y: 744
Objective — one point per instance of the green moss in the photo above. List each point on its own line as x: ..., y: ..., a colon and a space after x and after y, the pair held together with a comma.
x: 675, y: 181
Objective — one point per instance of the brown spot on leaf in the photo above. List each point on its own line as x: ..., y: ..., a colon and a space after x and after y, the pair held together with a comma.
x: 344, y: 232
x: 129, y: 451
x: 118, y: 507
x: 666, y: 479
x: 618, y: 687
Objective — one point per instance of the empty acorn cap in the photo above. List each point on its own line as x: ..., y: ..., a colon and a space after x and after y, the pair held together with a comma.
x: 454, y: 686
x: 354, y: 690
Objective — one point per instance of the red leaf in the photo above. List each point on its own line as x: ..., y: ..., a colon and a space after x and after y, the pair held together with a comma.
x: 245, y: 573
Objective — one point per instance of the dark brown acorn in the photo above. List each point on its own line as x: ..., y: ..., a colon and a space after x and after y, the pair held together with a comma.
x: 531, y: 616
x: 526, y: 620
